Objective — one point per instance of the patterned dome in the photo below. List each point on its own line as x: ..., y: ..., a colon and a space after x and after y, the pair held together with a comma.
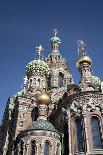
x: 55, y: 39
x: 41, y: 125
x: 96, y: 80
x: 37, y: 67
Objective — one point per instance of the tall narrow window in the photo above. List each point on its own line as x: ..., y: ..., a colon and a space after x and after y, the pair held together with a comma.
x: 46, y: 148
x: 60, y: 79
x: 49, y: 82
x: 79, y: 134
x: 33, y: 147
x: 96, y: 134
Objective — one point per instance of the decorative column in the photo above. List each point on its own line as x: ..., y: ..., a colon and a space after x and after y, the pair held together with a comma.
x: 86, y: 131
x: 27, y: 149
x: 41, y: 149
x: 37, y: 151
x: 52, y: 150
x: 69, y: 131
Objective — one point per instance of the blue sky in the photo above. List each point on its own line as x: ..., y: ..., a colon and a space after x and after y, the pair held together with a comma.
x: 27, y: 23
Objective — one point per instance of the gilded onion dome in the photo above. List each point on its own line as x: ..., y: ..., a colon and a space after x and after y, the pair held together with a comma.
x: 83, y: 60
x: 43, y: 99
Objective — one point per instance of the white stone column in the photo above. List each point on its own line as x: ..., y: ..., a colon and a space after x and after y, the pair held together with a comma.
x: 69, y: 132
x: 27, y: 149
x: 41, y: 149
x: 37, y: 151
x: 52, y: 150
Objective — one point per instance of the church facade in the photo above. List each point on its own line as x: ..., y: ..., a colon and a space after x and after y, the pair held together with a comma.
x: 52, y: 115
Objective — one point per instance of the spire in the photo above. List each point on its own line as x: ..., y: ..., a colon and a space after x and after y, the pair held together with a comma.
x: 55, y: 32
x: 81, y: 47
x: 55, y: 41
x: 39, y: 51
x: 84, y: 65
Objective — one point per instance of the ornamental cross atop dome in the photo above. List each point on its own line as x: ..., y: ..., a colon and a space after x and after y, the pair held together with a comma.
x: 55, y: 32
x: 81, y: 47
x: 39, y: 50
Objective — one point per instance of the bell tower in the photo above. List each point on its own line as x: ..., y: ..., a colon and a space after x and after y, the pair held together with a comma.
x: 61, y: 75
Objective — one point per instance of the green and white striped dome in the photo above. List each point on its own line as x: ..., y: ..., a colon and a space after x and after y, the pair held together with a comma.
x: 55, y: 39
x: 37, y: 67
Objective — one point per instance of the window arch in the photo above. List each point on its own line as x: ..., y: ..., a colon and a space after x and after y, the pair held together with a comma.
x: 49, y: 82
x: 33, y: 147
x: 47, y: 148
x: 60, y: 79
x: 96, y: 134
x: 79, y: 134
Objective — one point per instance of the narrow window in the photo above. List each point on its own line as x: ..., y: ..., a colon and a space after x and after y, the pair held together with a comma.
x: 79, y: 135
x: 38, y: 83
x: 96, y: 134
x: 49, y: 82
x: 60, y: 79
x: 33, y: 147
x: 46, y: 148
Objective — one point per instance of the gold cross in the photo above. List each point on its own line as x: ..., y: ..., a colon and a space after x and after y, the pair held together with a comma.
x: 55, y: 32
x: 39, y: 50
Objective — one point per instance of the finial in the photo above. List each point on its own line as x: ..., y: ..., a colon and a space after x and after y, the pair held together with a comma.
x: 81, y: 46
x: 39, y: 50
x: 55, y: 32
x: 25, y: 80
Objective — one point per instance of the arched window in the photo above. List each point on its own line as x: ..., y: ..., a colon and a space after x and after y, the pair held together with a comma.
x: 96, y: 134
x: 60, y: 79
x: 79, y: 135
x: 49, y: 82
x: 46, y: 148
x: 38, y: 83
x: 33, y: 147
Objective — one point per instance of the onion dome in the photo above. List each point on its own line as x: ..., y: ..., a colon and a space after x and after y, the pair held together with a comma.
x: 84, y: 60
x: 37, y: 67
x: 96, y: 80
x: 55, y: 39
x: 43, y: 99
x: 41, y: 124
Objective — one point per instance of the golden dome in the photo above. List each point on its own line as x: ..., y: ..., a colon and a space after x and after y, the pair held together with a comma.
x: 43, y: 99
x: 83, y: 60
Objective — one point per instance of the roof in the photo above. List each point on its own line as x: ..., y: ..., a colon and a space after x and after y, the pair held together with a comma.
x: 41, y: 124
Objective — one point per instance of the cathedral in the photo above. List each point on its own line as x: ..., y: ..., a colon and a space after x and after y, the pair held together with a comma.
x: 51, y: 115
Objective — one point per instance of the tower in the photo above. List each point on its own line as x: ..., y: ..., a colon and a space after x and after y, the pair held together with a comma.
x: 61, y: 75
x: 88, y: 82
